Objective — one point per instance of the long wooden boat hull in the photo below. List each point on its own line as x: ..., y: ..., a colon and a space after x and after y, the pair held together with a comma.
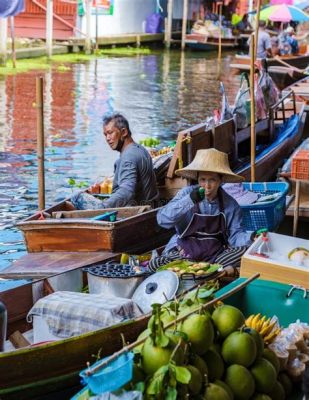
x: 266, y: 165
x: 241, y: 63
x: 284, y: 76
x: 225, y: 138
x: 78, y: 232
x: 30, y: 372
x: 197, y: 41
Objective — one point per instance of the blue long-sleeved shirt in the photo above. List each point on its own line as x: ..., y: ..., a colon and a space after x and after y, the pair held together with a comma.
x: 179, y: 211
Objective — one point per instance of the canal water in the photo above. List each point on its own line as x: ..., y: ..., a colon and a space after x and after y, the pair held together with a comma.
x: 160, y: 94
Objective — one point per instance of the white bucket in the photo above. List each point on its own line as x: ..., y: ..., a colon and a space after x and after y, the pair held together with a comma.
x: 71, y: 281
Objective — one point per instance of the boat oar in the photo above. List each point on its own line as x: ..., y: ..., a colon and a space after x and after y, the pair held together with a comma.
x: 236, y: 289
x: 302, y: 71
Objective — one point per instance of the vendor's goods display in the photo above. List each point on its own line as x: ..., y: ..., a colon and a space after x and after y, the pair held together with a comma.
x: 217, y: 353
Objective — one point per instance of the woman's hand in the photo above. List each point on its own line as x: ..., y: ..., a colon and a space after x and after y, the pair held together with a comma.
x: 197, y: 195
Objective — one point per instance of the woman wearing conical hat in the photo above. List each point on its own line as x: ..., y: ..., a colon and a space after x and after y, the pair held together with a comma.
x: 208, y: 221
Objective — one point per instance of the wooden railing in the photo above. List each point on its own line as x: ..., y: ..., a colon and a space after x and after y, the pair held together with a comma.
x: 280, y: 107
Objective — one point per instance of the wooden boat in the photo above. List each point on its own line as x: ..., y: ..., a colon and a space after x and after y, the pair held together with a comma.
x: 236, y: 143
x: 31, y: 372
x: 67, y: 230
x: 300, y: 90
x: 64, y: 229
x: 46, y: 368
x: 241, y: 63
x: 285, y: 76
x: 199, y: 41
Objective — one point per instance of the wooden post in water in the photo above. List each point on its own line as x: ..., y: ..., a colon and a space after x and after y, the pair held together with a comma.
x: 220, y: 39
x: 258, y: 8
x: 40, y: 141
x: 49, y: 28
x: 88, y: 27
x: 252, y: 106
x: 3, y: 41
x: 96, y: 26
x: 168, y: 35
x: 184, y: 24
x: 13, y: 41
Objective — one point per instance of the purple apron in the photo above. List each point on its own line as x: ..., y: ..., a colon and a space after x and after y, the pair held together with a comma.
x: 205, y: 236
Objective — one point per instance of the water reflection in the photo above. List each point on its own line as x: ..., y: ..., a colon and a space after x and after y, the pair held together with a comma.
x: 160, y: 94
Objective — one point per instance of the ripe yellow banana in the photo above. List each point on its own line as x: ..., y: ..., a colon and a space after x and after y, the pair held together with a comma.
x: 248, y: 321
x: 266, y: 323
x: 268, y: 329
x: 255, y: 320
x: 269, y: 338
x: 260, y: 323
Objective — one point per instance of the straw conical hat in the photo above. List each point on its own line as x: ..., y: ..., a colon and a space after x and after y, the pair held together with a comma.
x: 210, y: 160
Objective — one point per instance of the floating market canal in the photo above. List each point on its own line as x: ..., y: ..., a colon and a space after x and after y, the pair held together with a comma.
x: 160, y: 94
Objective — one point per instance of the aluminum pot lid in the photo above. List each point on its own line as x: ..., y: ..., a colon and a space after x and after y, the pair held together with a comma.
x: 157, y: 288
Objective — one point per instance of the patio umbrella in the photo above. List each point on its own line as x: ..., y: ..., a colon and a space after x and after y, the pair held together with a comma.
x: 302, y: 4
x: 283, y: 13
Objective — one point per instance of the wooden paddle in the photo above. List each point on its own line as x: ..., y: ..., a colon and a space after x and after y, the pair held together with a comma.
x: 290, y: 66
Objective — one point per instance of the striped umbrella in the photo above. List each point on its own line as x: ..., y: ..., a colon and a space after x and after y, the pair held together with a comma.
x: 302, y: 4
x: 283, y: 13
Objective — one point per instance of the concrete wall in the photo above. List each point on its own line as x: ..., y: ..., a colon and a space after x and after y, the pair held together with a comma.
x: 128, y: 17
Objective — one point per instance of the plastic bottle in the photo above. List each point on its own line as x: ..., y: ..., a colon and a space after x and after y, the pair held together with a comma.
x: 104, y: 187
x: 109, y: 185
x: 263, y: 250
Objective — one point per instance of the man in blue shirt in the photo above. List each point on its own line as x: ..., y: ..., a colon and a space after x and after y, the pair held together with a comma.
x: 134, y: 178
x: 208, y: 221
x: 292, y: 40
x: 263, y: 48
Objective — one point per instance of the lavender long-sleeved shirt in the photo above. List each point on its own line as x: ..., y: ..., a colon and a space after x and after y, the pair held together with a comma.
x: 179, y: 211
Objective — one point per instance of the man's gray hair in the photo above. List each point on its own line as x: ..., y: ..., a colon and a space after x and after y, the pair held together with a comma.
x: 119, y: 120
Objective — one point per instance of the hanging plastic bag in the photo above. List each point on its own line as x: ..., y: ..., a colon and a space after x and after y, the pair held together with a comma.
x: 260, y: 106
x: 226, y: 112
x: 242, y: 109
x: 270, y: 91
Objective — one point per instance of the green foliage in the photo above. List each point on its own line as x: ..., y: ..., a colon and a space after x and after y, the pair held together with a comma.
x: 163, y: 383
x: 124, y: 51
x: 78, y: 185
x: 150, y: 142
x: 155, y: 325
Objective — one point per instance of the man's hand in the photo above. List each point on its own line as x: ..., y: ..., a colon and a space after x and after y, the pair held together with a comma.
x: 94, y: 189
x: 197, y: 195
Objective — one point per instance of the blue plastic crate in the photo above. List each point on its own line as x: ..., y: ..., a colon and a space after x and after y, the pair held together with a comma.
x: 265, y: 214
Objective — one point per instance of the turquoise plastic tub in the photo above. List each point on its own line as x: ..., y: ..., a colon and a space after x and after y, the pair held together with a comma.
x: 270, y: 298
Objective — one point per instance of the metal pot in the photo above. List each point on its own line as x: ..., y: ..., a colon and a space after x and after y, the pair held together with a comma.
x: 113, y: 279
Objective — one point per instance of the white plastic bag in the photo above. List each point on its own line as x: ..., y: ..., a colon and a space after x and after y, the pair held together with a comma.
x: 241, y: 109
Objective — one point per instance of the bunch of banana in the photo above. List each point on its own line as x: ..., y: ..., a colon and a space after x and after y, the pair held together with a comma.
x: 165, y: 150
x: 267, y: 328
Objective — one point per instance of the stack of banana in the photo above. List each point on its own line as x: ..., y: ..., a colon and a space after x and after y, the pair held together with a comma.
x: 268, y: 328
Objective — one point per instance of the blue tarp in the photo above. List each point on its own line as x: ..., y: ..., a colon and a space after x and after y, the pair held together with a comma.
x: 9, y: 8
x: 285, y: 131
